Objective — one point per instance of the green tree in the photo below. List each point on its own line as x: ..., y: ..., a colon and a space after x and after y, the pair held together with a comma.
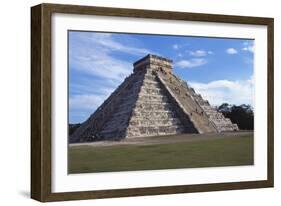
x: 242, y: 115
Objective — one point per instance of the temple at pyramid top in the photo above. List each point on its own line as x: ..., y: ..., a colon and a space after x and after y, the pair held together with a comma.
x: 152, y: 101
x: 153, y: 61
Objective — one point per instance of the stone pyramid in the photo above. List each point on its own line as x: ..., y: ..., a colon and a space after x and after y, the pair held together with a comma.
x: 152, y: 101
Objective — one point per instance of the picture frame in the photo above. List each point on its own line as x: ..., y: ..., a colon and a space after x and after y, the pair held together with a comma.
x: 41, y: 101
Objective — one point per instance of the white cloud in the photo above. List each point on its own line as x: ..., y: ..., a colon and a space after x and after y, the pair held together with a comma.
x: 180, y: 55
x: 198, y: 53
x: 86, y: 101
x: 106, y: 40
x: 221, y: 91
x: 196, y: 62
x: 102, y: 65
x: 80, y: 115
x: 231, y: 51
x: 88, y: 86
x: 91, y: 53
x: 85, y: 95
x: 176, y: 46
x: 248, y: 47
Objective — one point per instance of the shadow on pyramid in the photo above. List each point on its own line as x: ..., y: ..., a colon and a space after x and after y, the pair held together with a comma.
x: 152, y: 101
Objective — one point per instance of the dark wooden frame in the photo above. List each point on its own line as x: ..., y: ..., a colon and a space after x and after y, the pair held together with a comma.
x: 41, y: 101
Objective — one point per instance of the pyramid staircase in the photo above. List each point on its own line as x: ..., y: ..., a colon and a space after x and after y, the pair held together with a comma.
x: 151, y: 102
x: 206, y: 118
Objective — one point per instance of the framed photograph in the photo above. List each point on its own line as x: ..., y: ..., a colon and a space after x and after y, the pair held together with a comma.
x: 129, y: 102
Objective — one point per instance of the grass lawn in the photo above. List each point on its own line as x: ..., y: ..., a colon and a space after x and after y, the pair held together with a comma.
x: 229, y: 151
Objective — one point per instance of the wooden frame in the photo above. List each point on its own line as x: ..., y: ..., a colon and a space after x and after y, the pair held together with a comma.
x: 41, y: 101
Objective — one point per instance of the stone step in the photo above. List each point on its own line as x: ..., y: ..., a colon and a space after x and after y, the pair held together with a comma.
x: 131, y: 95
x: 147, y: 105
x: 223, y: 120
x: 154, y: 131
x: 113, y: 134
x: 151, y: 127
x: 116, y: 123
x: 125, y: 105
x: 150, y: 77
x: 152, y: 107
x: 137, y: 128
x: 227, y: 128
x: 154, y: 122
x: 155, y: 85
x: 222, y: 123
x: 217, y: 116
x: 218, y: 125
x: 160, y: 101
x: 147, y: 82
x: 208, y: 109
x: 139, y: 102
x: 160, y: 114
x: 149, y: 73
x: 152, y: 97
x: 164, y: 116
x: 113, y: 129
x: 202, y: 123
x: 149, y: 91
x: 132, y: 90
x: 119, y: 114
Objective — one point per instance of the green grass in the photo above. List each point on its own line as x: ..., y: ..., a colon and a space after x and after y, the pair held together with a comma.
x: 231, y: 151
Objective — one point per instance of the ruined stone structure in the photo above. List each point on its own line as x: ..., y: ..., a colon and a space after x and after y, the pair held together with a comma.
x: 152, y: 101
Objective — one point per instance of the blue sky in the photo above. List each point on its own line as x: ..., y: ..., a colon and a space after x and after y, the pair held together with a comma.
x: 220, y: 69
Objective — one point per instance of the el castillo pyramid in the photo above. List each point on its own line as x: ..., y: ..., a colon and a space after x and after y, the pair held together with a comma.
x: 152, y: 101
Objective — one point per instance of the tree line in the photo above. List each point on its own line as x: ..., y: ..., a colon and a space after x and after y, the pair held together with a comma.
x: 242, y: 115
x: 72, y: 128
